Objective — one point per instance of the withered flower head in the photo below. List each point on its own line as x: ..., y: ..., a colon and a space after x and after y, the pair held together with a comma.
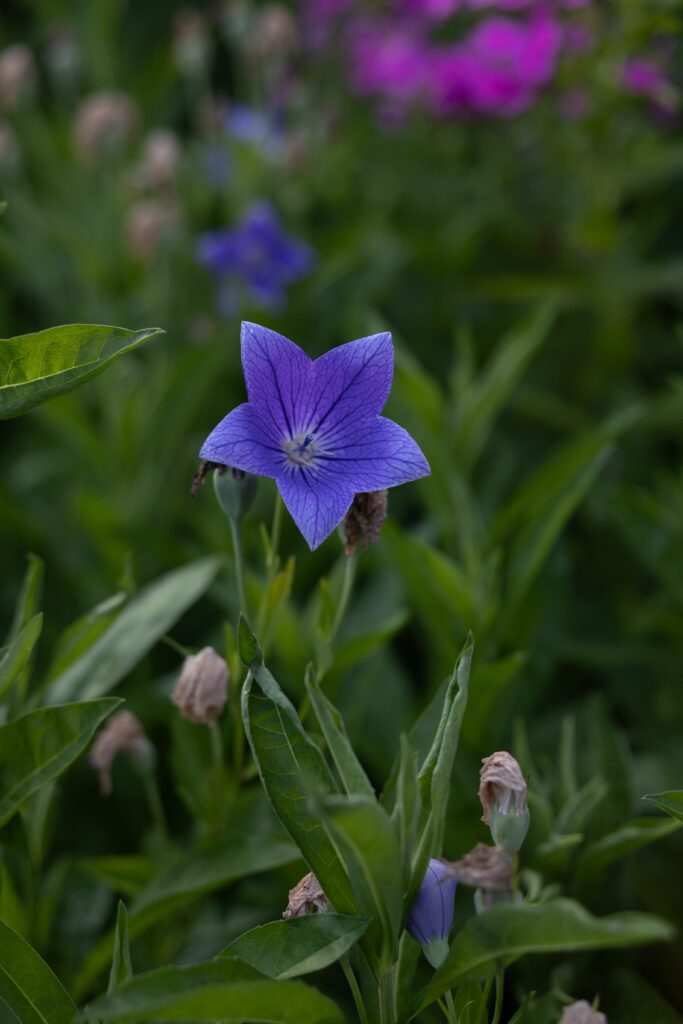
x: 149, y: 223
x: 364, y: 520
x: 123, y: 734
x: 160, y: 158
x: 18, y: 75
x: 306, y: 898
x: 582, y: 1013
x: 202, y: 687
x: 484, y: 867
x: 502, y: 791
x: 104, y: 124
x: 274, y: 33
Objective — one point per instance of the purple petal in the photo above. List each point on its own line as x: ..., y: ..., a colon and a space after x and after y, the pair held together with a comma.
x: 373, y: 454
x: 245, y: 440
x: 350, y: 381
x: 278, y: 375
x: 316, y: 502
x: 431, y: 916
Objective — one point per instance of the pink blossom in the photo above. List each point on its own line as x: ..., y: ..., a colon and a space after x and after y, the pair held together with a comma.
x: 389, y: 59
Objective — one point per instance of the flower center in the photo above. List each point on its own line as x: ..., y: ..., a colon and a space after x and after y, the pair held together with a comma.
x: 301, y: 449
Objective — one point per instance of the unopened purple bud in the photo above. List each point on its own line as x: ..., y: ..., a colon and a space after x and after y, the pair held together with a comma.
x: 431, y: 918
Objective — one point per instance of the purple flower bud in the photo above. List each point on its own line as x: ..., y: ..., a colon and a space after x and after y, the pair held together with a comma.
x: 431, y: 918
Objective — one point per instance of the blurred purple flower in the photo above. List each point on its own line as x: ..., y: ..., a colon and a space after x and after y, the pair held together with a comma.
x: 258, y: 129
x: 434, y: 10
x: 315, y: 426
x: 643, y: 77
x: 258, y: 254
x: 390, y: 60
x: 431, y: 917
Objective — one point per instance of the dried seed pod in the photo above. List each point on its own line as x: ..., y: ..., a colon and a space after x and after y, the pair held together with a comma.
x: 364, y: 520
x: 202, y: 687
x: 503, y: 791
x: 307, y: 897
x: 123, y: 734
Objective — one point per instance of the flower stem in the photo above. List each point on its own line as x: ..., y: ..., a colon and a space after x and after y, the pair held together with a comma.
x: 347, y: 587
x: 498, y: 1008
x: 452, y: 1015
x: 238, y: 555
x: 355, y: 991
x: 271, y: 565
x: 484, y: 1001
x: 154, y: 801
x: 387, y: 996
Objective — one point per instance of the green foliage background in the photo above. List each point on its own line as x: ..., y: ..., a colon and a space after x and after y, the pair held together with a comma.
x: 530, y: 271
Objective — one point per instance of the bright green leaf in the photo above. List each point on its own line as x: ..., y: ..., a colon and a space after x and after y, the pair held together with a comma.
x: 16, y: 656
x: 146, y: 618
x: 298, y: 945
x: 121, y: 964
x: 36, y: 367
x: 29, y: 596
x: 351, y: 773
x: 28, y: 986
x: 671, y: 802
x: 37, y: 747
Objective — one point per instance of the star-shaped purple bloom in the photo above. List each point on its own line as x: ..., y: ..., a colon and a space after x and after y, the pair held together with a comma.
x: 315, y: 426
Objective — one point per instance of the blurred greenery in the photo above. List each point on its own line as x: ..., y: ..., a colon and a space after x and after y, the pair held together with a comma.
x: 530, y: 271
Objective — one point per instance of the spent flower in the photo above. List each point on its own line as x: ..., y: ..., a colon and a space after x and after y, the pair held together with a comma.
x: 104, y: 124
x: 123, y: 734
x: 488, y: 869
x: 431, y: 917
x: 502, y: 791
x: 307, y: 897
x: 582, y: 1013
x: 363, y: 522
x: 18, y: 76
x: 315, y: 427
x: 202, y: 687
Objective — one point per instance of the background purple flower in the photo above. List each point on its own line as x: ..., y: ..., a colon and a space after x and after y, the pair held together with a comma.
x: 431, y: 917
x: 256, y: 254
x: 315, y: 426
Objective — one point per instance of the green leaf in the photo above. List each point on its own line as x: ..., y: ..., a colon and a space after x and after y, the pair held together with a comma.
x: 28, y: 986
x: 127, y: 873
x: 671, y: 802
x: 29, y: 596
x: 226, y: 990
x: 351, y: 773
x: 82, y: 634
x: 289, y: 761
x: 37, y: 747
x: 367, y: 841
x: 624, y: 840
x: 248, y: 644
x: 36, y: 367
x: 298, y: 945
x: 508, y: 932
x: 148, y: 616
x: 406, y: 813
x: 16, y: 656
x: 3, y: 206
x: 121, y: 964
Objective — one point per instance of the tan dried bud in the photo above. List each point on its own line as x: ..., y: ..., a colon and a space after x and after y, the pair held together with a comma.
x: 307, y: 897
x: 105, y: 122
x: 581, y: 1013
x: 123, y: 734
x: 202, y: 687
x: 150, y: 223
x: 274, y: 33
x: 485, y: 867
x: 18, y: 76
x: 160, y: 158
x: 501, y: 785
x: 364, y: 520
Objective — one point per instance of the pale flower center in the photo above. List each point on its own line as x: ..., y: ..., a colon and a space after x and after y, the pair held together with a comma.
x: 301, y: 449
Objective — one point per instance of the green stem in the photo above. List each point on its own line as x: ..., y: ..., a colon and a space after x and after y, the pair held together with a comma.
x: 452, y: 1016
x: 238, y: 555
x: 387, y: 996
x: 271, y: 565
x: 154, y: 801
x: 347, y: 587
x: 216, y: 746
x: 175, y: 646
x: 355, y: 991
x: 484, y: 1001
x: 498, y: 1008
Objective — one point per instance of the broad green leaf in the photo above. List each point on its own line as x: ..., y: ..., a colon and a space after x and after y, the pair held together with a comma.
x: 16, y: 656
x: 203, y: 869
x: 146, y: 618
x: 289, y: 761
x: 298, y: 945
x: 671, y: 802
x: 82, y: 634
x: 508, y: 932
x: 29, y: 596
x: 36, y: 367
x: 37, y: 747
x: 367, y: 841
x: 127, y: 873
x: 248, y: 644
x: 406, y: 812
x: 353, y: 777
x: 227, y: 990
x: 121, y: 964
x: 626, y: 839
x: 28, y: 986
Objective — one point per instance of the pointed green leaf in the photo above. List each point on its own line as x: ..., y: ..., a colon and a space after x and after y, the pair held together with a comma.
x: 121, y: 964
x: 29, y: 596
x: 298, y: 945
x: 671, y: 802
x: 289, y: 761
x: 36, y: 367
x: 248, y: 644
x: 37, y: 747
x: 146, y: 618
x: 507, y: 932
x: 16, y: 656
x: 406, y: 813
x: 227, y: 990
x: 351, y: 773
x: 628, y: 838
x: 27, y: 985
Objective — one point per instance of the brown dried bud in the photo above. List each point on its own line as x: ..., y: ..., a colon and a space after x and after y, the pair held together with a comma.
x: 150, y: 223
x: 501, y: 785
x: 123, y: 734
x: 105, y: 123
x: 160, y: 158
x: 18, y: 76
x: 485, y: 867
x: 202, y: 687
x: 363, y: 521
x: 306, y: 898
x: 582, y: 1013
x: 274, y: 33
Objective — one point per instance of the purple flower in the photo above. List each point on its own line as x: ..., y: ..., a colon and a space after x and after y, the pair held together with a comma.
x: 258, y: 254
x: 431, y: 918
x: 315, y: 426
